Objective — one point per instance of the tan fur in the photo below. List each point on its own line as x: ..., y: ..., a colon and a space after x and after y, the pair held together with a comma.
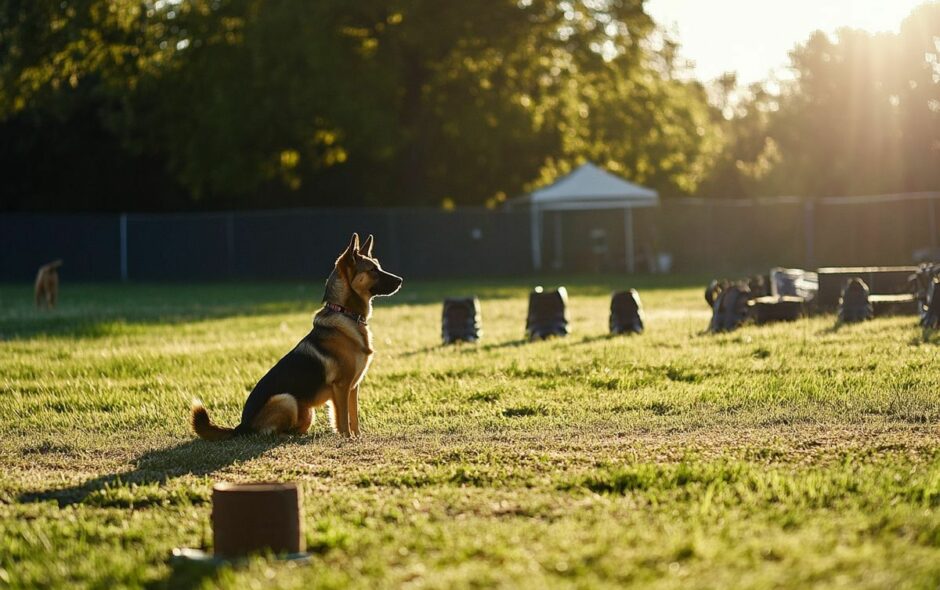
x: 203, y: 426
x: 353, y: 409
x: 47, y: 285
x: 361, y: 285
x: 305, y: 418
x: 280, y: 414
x: 352, y: 357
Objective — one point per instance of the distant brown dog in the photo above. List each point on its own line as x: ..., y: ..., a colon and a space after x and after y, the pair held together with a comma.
x: 47, y: 285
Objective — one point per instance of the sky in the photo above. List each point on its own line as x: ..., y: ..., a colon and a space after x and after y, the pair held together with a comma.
x: 753, y: 37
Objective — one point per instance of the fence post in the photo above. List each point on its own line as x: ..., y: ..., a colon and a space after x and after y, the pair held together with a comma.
x: 123, y: 231
x: 230, y: 242
x: 932, y: 208
x: 392, y: 225
x: 809, y: 232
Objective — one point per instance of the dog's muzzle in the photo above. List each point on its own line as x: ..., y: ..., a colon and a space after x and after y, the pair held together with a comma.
x: 387, y: 284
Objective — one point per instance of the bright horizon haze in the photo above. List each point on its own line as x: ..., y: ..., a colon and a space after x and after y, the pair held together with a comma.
x: 754, y: 38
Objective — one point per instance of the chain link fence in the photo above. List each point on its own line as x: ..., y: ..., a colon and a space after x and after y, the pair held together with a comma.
x: 695, y: 235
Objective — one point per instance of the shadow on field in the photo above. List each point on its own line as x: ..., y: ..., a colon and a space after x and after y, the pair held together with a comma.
x: 506, y: 344
x: 597, y: 338
x: 184, y: 576
x: 833, y: 329
x: 102, y: 310
x: 87, y: 322
x: 195, y: 457
x: 926, y: 336
x: 468, y: 347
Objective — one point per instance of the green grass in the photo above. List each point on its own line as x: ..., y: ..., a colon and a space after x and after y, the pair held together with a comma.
x: 791, y: 455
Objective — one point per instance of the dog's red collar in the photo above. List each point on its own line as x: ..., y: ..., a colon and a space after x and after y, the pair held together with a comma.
x: 346, y: 312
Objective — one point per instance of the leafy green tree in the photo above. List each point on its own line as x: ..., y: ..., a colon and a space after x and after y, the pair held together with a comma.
x: 251, y: 103
x: 69, y: 70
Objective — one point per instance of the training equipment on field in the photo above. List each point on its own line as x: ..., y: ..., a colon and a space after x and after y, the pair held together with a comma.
x: 920, y: 280
x: 759, y: 285
x: 782, y: 295
x: 794, y: 282
x: 930, y: 317
x: 792, y: 290
x: 854, y: 305
x: 548, y: 314
x: 783, y: 308
x: 729, y: 303
x: 881, y: 281
x: 460, y: 320
x: 257, y: 517
x: 626, y: 313
x: 925, y: 284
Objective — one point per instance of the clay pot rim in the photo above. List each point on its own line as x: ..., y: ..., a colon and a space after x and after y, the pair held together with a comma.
x: 253, y: 487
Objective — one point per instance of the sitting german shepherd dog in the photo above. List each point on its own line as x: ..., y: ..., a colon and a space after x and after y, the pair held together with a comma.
x: 326, y: 366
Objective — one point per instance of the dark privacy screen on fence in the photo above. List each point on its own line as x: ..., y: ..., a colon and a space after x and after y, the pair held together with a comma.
x: 296, y: 244
x: 91, y: 246
x: 303, y: 244
x: 700, y: 235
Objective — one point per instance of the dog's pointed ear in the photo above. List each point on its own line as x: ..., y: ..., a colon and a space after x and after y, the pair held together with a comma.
x: 366, y: 248
x: 352, y: 248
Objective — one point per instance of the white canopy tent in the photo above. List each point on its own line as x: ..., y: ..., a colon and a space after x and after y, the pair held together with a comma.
x: 588, y: 188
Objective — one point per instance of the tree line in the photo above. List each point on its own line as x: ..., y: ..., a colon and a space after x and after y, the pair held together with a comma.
x: 207, y: 104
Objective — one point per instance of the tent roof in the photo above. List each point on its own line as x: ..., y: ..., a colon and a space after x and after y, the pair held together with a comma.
x: 589, y: 187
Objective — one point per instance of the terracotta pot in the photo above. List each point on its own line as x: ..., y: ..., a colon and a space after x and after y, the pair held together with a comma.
x: 250, y: 518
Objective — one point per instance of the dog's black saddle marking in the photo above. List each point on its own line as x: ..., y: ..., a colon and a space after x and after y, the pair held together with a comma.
x: 298, y: 373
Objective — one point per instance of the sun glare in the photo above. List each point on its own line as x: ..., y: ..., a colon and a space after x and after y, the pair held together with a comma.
x: 877, y: 16
x: 754, y: 38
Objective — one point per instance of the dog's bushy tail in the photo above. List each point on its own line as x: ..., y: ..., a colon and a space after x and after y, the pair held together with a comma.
x: 204, y: 427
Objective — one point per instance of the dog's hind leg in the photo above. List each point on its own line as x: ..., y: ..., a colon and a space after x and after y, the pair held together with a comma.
x: 277, y: 416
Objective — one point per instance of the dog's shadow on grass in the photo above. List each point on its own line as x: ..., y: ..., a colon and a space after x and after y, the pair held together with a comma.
x: 833, y: 329
x: 195, y: 457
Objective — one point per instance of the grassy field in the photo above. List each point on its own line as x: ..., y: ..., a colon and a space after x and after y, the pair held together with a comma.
x: 788, y: 456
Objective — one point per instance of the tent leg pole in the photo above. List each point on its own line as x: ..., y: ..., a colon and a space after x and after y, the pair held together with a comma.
x: 535, y: 229
x: 628, y: 240
x: 558, y: 254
